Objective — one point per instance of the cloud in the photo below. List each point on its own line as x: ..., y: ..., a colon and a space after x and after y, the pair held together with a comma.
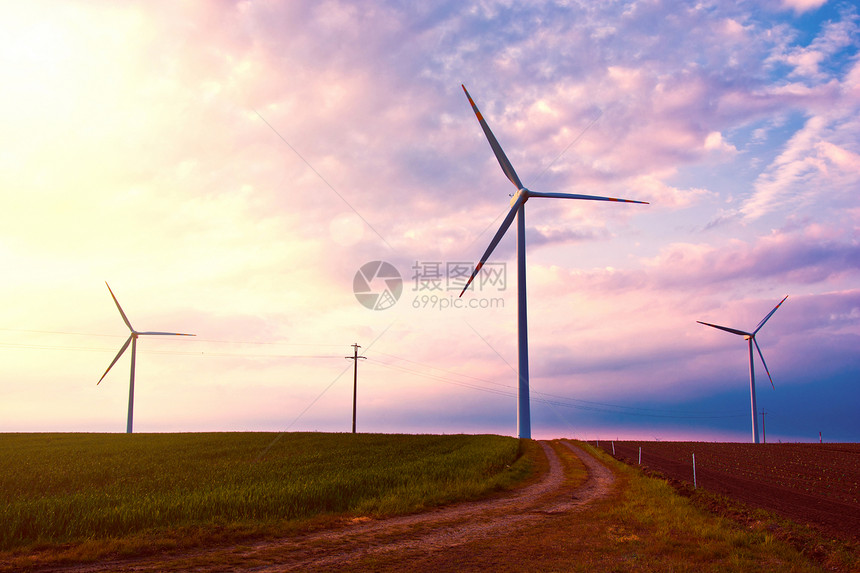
x: 229, y: 167
x: 843, y: 159
x: 714, y: 142
x: 791, y: 258
x: 816, y: 167
x: 836, y: 36
x: 653, y: 188
x: 801, y: 6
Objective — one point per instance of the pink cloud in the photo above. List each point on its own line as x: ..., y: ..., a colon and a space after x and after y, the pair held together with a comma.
x: 152, y: 167
x: 801, y: 6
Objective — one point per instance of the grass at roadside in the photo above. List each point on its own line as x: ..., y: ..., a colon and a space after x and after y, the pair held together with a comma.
x: 833, y: 552
x: 652, y: 524
x: 120, y: 493
x: 648, y: 526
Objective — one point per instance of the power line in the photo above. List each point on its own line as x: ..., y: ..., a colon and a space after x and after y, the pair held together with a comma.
x: 170, y: 352
x: 59, y: 332
x: 314, y: 401
x: 442, y: 369
x: 471, y: 382
x: 399, y: 368
x: 562, y: 401
x: 217, y: 341
x: 324, y: 180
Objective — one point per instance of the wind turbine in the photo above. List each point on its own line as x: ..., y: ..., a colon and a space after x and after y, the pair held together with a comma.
x: 518, y: 202
x: 132, y: 339
x: 750, y: 338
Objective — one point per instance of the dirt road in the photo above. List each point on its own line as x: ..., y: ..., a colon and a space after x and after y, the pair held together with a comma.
x: 393, y: 540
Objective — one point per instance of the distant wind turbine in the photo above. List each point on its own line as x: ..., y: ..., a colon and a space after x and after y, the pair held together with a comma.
x: 132, y: 339
x: 750, y: 337
x: 518, y: 210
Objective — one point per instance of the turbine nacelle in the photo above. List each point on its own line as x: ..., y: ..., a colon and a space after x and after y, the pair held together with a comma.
x: 523, y: 194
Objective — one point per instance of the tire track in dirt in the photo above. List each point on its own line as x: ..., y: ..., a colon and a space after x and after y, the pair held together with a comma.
x: 426, y: 532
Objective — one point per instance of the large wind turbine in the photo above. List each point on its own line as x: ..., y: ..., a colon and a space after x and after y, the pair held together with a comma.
x: 518, y: 210
x: 750, y: 338
x: 132, y: 339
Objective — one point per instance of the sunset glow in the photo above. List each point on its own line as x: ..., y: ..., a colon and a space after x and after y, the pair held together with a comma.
x: 229, y: 167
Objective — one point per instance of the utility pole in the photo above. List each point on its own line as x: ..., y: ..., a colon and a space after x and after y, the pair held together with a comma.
x: 763, y: 429
x: 354, y: 357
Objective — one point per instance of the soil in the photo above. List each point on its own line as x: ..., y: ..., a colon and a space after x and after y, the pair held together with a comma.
x: 400, y: 541
x: 818, y: 484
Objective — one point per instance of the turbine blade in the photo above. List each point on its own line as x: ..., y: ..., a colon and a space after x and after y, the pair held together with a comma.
x: 586, y: 197
x: 497, y: 149
x: 498, y: 237
x: 121, y: 350
x: 760, y: 355
x: 165, y: 334
x: 765, y: 319
x: 124, y: 317
x: 726, y: 328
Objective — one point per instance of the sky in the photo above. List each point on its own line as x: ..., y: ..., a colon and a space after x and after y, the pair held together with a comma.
x: 231, y: 168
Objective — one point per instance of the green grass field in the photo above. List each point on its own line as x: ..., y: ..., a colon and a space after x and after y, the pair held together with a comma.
x: 60, y: 488
x: 78, y: 498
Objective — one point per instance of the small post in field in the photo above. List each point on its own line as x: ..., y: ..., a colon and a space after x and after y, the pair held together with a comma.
x: 694, y: 471
x: 640, y: 455
x: 613, y: 448
x: 819, y: 438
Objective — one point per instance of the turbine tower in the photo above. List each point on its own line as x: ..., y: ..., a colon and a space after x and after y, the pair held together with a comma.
x: 132, y: 339
x: 750, y: 338
x: 518, y: 210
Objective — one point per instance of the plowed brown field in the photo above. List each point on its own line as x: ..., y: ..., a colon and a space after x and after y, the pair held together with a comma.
x: 808, y: 483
